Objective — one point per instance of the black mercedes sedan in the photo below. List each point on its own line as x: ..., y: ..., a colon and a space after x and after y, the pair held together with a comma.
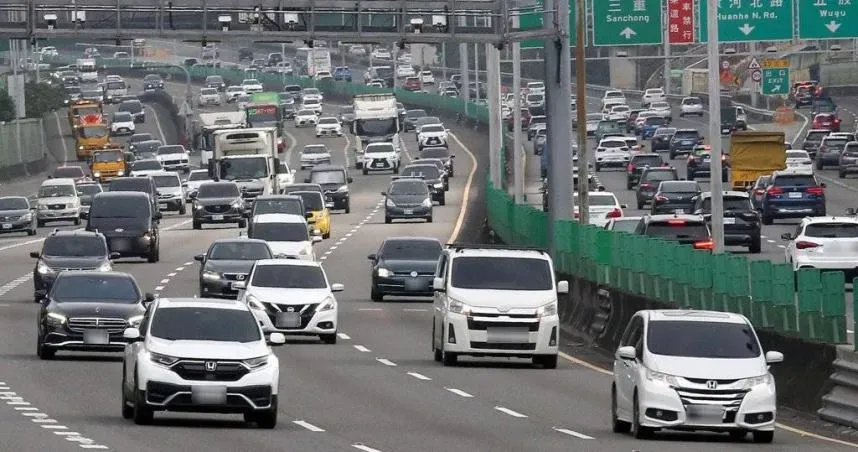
x: 228, y: 261
x: 404, y: 266
x: 89, y: 311
x: 17, y: 215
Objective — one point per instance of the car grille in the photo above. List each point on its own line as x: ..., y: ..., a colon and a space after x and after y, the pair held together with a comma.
x: 380, y: 163
x: 218, y: 208
x: 57, y: 206
x: 728, y: 398
x: 408, y: 273
x: 307, y: 311
x: 251, y: 193
x: 197, y: 370
x: 80, y: 324
x: 235, y: 276
x: 481, y: 321
x: 165, y: 196
x: 11, y: 218
x: 74, y: 269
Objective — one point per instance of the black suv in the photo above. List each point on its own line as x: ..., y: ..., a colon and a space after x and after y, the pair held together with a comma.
x: 638, y: 164
x: 404, y: 266
x: 334, y: 180
x: 408, y: 199
x: 128, y: 222
x: 152, y: 82
x: 661, y: 138
x: 411, y: 117
x: 742, y: 223
x: 433, y: 177
x: 228, y: 261
x: 69, y: 250
x: 684, y: 141
x: 245, y: 53
x: 685, y: 229
x: 699, y: 163
x: 142, y: 184
x: 217, y: 203
x: 648, y: 183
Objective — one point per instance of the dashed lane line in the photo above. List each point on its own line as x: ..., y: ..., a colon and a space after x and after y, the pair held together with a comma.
x: 510, y: 412
x: 364, y: 448
x: 343, y: 336
x: 362, y: 349
x: 351, y: 232
x: 459, y: 393
x: 42, y: 419
x: 308, y: 426
x: 419, y: 376
x: 572, y: 433
x: 386, y: 362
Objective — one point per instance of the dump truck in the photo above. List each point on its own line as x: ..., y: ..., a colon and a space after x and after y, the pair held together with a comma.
x: 90, y: 135
x: 755, y: 154
x: 109, y: 163
x: 83, y: 108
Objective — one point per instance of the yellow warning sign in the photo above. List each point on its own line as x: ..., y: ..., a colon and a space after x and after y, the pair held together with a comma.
x: 775, y: 64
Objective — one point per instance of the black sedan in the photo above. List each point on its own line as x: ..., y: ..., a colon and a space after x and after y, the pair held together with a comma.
x: 228, y: 261
x: 439, y: 152
x: 411, y: 117
x: 699, y: 163
x: 89, y: 311
x: 433, y: 177
x: 442, y: 168
x: 217, y: 203
x: 742, y: 223
x: 17, y: 215
x: 404, y: 266
x: 152, y: 82
x: 407, y: 199
x: 675, y: 197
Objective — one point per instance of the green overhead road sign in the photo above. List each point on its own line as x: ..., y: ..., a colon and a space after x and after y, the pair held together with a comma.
x: 627, y: 22
x: 532, y: 18
x: 827, y: 19
x: 751, y: 20
x: 775, y: 81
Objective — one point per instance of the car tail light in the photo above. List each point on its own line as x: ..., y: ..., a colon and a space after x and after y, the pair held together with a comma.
x: 774, y: 191
x: 760, y: 191
x: 676, y: 222
x: 704, y: 245
x: 646, y: 185
x: 803, y: 245
x: 661, y: 198
x: 616, y: 213
x: 630, y: 168
x: 816, y: 191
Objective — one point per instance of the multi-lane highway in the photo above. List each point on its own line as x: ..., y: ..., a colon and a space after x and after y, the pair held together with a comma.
x: 377, y: 389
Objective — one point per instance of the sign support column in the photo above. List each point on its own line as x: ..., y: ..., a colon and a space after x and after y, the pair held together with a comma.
x: 463, y: 70
x: 755, y: 92
x: 717, y: 223
x: 666, y: 38
x: 493, y: 98
x: 518, y: 167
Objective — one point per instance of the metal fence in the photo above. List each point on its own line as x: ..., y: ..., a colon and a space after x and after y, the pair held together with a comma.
x: 21, y: 145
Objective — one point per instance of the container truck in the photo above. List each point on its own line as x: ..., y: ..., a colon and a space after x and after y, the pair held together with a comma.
x: 376, y: 121
x: 249, y: 158
x: 755, y: 154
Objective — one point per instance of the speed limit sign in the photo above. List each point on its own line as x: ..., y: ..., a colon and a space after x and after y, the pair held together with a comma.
x: 756, y: 75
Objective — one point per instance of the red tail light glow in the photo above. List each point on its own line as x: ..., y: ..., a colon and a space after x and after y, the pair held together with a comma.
x: 760, y: 191
x: 661, y: 198
x: 630, y: 168
x: 646, y: 185
x: 803, y: 245
x: 816, y: 191
x: 774, y: 191
x: 704, y: 245
x: 676, y: 222
x: 616, y: 213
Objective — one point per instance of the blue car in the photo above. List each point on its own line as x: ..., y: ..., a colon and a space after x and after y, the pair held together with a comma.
x: 651, y: 124
x: 343, y: 74
x: 793, y: 195
x: 683, y: 142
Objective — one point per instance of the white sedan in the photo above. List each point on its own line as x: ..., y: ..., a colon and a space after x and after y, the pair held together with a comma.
x: 691, y: 106
x: 405, y: 70
x: 662, y: 109
x: 314, y: 105
x: 619, y: 113
x: 427, y: 78
x: 233, y: 92
x: 251, y: 85
x: 604, y: 207
x: 799, y: 160
x: 209, y: 96
x: 329, y: 126
x: 305, y: 118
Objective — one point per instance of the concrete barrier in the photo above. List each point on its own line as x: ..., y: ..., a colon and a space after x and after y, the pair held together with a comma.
x: 840, y: 405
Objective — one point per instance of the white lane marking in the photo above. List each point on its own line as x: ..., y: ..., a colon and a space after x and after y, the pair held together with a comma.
x: 770, y: 241
x: 172, y: 274
x: 292, y: 143
x: 165, y: 281
x: 34, y: 414
x: 44, y: 421
x: 62, y: 138
x: 572, y: 433
x: 466, y: 196
x: 188, y: 263
x: 67, y: 433
x: 54, y: 427
x: 178, y: 269
x: 331, y: 249
x: 93, y: 446
x: 781, y: 246
x: 414, y: 310
x: 371, y: 309
x: 361, y: 348
x: 460, y: 393
x: 17, y: 402
x: 386, y: 362
x: 343, y: 336
x: 419, y: 376
x: 346, y: 149
x: 11, y: 285
x: 323, y: 258
x: 157, y: 123
x: 364, y: 448
x: 19, y: 244
x: 308, y: 426
x: 510, y: 412
x: 26, y: 408
x: 159, y: 288
x: 349, y: 234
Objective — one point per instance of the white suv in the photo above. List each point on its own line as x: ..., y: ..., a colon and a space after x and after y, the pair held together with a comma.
x: 432, y: 135
x: 380, y: 157
x: 200, y: 355
x: 693, y: 370
x: 292, y: 297
x: 826, y: 243
x: 691, y: 106
x: 496, y: 301
x: 612, y: 151
x: 287, y: 235
x: 653, y: 95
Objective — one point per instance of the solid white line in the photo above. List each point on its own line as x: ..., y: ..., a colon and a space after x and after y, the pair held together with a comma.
x: 386, y: 362
x: 188, y: 263
x: 62, y: 139
x: 343, y: 336
x: 459, y: 392
x: 365, y: 448
x: 157, y: 123
x: 414, y: 310
x: 572, y: 433
x: 16, y: 245
x: 463, y: 209
x: 308, y: 426
x: 361, y: 348
x: 510, y: 412
x: 370, y: 309
x: 93, y: 446
x: 419, y: 376
x: 4, y: 387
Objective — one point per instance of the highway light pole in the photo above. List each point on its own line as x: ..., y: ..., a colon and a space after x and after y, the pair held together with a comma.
x: 717, y: 223
x: 463, y: 70
x: 666, y: 38
x: 517, y: 153
x: 493, y: 102
x: 581, y: 114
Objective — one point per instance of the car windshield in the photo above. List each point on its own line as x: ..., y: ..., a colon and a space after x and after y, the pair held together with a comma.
x: 625, y: 224
x: 837, y: 143
x: 794, y: 181
x: 208, y: 92
x: 198, y: 176
x: 289, y: 277
x: 291, y: 206
x: 679, y: 187
x: 140, y: 137
x: 409, y: 188
x: 56, y: 191
x: 655, y: 176
x: 93, y: 132
x: 88, y: 189
x: 216, y: 190
x: 656, y: 121
x: 94, y: 288
x: 315, y: 149
x: 72, y: 246
x: 329, y: 121
x: 144, y: 165
x: 379, y: 148
x: 71, y: 172
x: 708, y: 340
x: 122, y: 116
x: 432, y: 128
x: 739, y: 203
x: 205, y: 324
x: 328, y: 177
x: 425, y: 171
x: 14, y: 203
x: 832, y: 230
x: 414, y: 114
x: 677, y: 229
x: 507, y: 273
x: 665, y: 131
x: 240, y: 251
x: 691, y: 101
x: 281, y: 232
x: 167, y: 180
x: 410, y: 250
x: 797, y: 155
x: 131, y: 107
x: 166, y: 150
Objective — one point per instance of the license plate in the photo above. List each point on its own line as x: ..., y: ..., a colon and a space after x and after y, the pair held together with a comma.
x: 705, y: 413
x: 96, y: 337
x: 208, y: 395
x: 729, y: 221
x: 217, y: 217
x: 707, y: 160
x: 7, y: 226
x: 415, y: 285
x: 408, y: 211
x: 507, y: 335
x: 287, y: 320
x: 232, y: 286
x: 795, y: 194
x: 378, y: 165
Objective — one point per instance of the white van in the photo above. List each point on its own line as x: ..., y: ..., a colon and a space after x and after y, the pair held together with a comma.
x: 58, y: 201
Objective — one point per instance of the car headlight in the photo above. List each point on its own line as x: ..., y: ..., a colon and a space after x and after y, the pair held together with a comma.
x: 762, y: 380
x: 96, y: 174
x: 384, y: 273
x: 162, y: 360
x: 254, y: 303
x: 80, y: 148
x: 211, y: 276
x: 343, y: 189
x: 654, y: 376
x: 55, y: 319
x: 105, y: 267
x: 457, y: 307
x: 256, y: 363
x: 27, y: 217
x: 43, y: 207
x: 198, y: 207
x: 43, y: 268
x: 547, y: 310
x: 328, y: 304
x: 439, y: 185
x: 135, y: 321
x: 427, y: 202
x: 389, y: 203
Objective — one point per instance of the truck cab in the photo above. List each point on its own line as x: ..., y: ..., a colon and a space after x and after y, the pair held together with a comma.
x: 92, y: 134
x: 108, y: 163
x: 376, y: 120
x: 247, y: 157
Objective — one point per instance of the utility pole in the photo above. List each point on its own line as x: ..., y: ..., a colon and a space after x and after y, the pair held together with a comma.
x: 755, y: 90
x: 581, y: 114
x: 493, y: 97
x: 464, y: 92
x: 476, y: 73
x: 558, y: 88
x: 716, y: 185
x: 666, y: 39
x: 443, y: 61
x: 518, y: 175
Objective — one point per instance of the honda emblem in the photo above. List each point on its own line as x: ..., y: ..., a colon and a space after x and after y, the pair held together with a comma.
x: 712, y: 384
x: 211, y: 366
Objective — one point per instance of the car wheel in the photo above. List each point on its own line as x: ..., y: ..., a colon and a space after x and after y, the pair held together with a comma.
x: 640, y: 205
x: 690, y: 176
x: 442, y: 201
x: 31, y: 232
x: 436, y: 352
x: 767, y: 219
x: 77, y: 221
x: 672, y: 155
x: 154, y: 255
x: 617, y: 425
x: 429, y: 219
x: 127, y: 408
x: 365, y: 171
x: 756, y: 245
x: 375, y: 294
x: 348, y: 208
x: 44, y: 352
x: 738, y: 435
x: 197, y: 225
x: 388, y: 220
x: 448, y: 359
x: 143, y: 415
x: 546, y: 361
x: 640, y: 431
x: 328, y: 338
x: 764, y: 436
x: 266, y: 419
x: 396, y: 169
x: 183, y: 209
x: 597, y: 167
x: 841, y: 174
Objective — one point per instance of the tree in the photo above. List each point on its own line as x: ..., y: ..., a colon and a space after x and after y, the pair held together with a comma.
x: 7, y: 107
x: 42, y: 98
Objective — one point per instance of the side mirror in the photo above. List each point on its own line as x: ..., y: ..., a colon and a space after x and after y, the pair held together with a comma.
x: 624, y: 206
x: 371, y: 257
x: 563, y: 287
x: 337, y: 287
x: 452, y: 156
x: 384, y: 193
x: 114, y: 255
x: 627, y: 352
x: 786, y: 236
x: 438, y: 285
x: 307, y: 180
x: 41, y: 294
x: 317, y: 239
x: 35, y: 254
x: 148, y: 297
x: 200, y: 257
x: 132, y: 334
x: 239, y: 285
x: 158, y: 215
x: 276, y: 339
x: 774, y: 357
x: 349, y: 179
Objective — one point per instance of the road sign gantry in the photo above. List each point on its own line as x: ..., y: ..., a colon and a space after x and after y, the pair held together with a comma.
x: 827, y: 19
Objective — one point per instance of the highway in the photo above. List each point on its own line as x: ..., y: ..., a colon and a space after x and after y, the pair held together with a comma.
x: 377, y: 389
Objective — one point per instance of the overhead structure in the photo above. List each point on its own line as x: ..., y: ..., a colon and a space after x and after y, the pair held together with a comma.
x: 368, y: 21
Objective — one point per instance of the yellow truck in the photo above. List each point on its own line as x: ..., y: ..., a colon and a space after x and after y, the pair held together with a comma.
x: 108, y: 163
x: 90, y: 135
x: 755, y: 154
x: 84, y: 109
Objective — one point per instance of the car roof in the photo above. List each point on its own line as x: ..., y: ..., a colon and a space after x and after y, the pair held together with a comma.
x: 676, y: 216
x: 691, y: 315
x: 833, y: 219
x: 646, y: 154
x: 106, y: 275
x: 161, y: 173
x: 411, y: 239
x: 278, y: 197
x: 207, y: 303
x: 279, y: 218
x: 327, y: 167
x: 293, y: 262
x: 243, y: 239
x: 219, y: 182
x: 58, y: 181
x: 733, y: 193
x: 122, y: 194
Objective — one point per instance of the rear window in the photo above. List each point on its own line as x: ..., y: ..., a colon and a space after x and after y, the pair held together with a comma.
x: 837, y: 143
x: 131, y: 184
x: 119, y: 207
x: 678, y: 230
x: 832, y: 230
x: 602, y: 200
x: 815, y: 136
x: 730, y: 203
x: 685, y: 135
x: 794, y: 181
x: 660, y: 175
x: 680, y: 187
x: 655, y: 120
x: 652, y: 160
